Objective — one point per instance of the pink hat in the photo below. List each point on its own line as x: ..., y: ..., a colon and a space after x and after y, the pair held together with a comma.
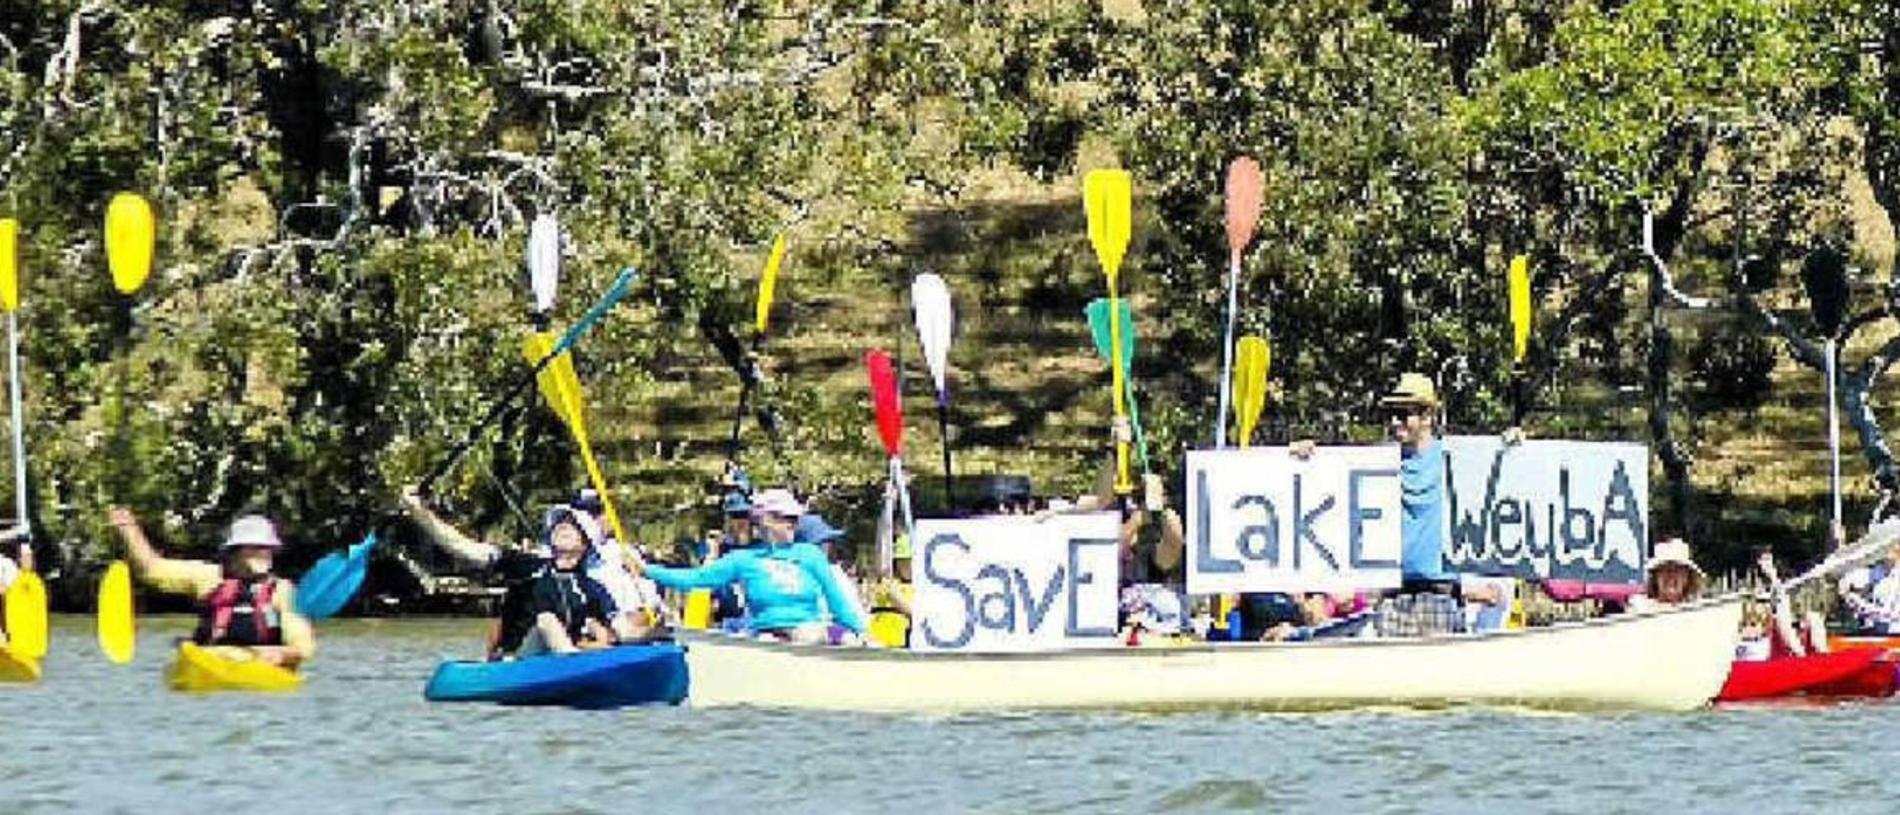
x: 778, y: 502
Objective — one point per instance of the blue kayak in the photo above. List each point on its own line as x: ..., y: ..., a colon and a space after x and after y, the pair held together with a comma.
x: 607, y: 678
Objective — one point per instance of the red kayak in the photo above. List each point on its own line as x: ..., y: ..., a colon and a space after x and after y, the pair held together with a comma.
x: 1856, y: 672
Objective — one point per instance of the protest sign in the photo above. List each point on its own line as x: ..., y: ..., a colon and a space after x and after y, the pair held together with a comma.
x: 1260, y: 519
x: 1016, y: 583
x: 1547, y: 509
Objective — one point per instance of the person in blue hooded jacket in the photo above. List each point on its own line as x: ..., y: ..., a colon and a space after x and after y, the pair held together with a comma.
x: 785, y: 580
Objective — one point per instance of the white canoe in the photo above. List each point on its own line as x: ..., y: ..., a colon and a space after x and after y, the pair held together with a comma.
x: 1662, y: 660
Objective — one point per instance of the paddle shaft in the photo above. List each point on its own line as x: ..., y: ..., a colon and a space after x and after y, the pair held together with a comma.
x: 1227, y: 353
x: 19, y: 428
x: 748, y: 377
x: 943, y: 426
x: 526, y: 381
x: 1123, y: 485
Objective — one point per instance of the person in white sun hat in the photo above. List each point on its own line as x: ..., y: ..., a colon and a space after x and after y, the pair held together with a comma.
x: 241, y: 600
x: 1674, y: 577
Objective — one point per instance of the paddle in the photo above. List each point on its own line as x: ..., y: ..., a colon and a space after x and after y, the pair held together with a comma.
x: 1244, y: 197
x: 330, y: 584
x: 1108, y: 197
x: 10, y: 302
x: 1103, y: 335
x: 1824, y: 276
x: 930, y: 305
x: 889, y: 408
x: 762, y: 313
x: 131, y: 240
x: 565, y: 399
x: 1255, y: 357
x: 1519, y: 278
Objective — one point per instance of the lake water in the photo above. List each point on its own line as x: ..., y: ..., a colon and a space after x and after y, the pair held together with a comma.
x: 97, y: 737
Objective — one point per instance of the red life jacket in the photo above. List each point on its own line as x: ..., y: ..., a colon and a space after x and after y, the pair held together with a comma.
x: 234, y: 599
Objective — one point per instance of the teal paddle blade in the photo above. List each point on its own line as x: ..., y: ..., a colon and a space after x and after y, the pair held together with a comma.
x: 329, y: 585
x: 1097, y: 312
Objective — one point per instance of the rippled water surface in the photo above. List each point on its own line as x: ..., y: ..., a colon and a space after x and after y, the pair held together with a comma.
x: 95, y: 737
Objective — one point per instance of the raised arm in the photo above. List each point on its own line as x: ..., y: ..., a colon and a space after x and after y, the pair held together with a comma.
x: 470, y: 551
x: 188, y: 577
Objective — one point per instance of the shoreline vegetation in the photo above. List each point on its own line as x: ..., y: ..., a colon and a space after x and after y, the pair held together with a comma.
x: 344, y: 196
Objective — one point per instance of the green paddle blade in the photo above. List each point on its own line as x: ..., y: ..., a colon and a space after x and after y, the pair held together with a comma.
x: 1100, y: 332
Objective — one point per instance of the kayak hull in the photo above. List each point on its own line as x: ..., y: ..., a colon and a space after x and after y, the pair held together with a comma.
x: 220, y: 669
x: 1661, y: 660
x: 17, y: 668
x: 606, y: 678
x: 1854, y: 672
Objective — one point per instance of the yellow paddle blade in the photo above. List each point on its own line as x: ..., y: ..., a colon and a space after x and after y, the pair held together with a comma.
x: 116, y: 629
x: 558, y: 379
x: 130, y: 238
x: 698, y: 613
x: 9, y: 264
x: 26, y: 616
x: 1520, y: 280
x: 1252, y: 357
x: 1108, y: 196
x: 768, y: 281
x: 561, y: 386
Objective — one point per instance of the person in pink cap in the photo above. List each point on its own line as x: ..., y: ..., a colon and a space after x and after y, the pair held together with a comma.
x: 784, y: 579
x: 241, y: 600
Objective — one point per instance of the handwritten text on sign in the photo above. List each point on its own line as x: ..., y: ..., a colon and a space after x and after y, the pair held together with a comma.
x: 1560, y: 509
x: 1261, y: 520
x: 1016, y: 584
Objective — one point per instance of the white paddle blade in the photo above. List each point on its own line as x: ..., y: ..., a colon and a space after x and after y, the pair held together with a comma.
x: 544, y: 260
x: 930, y: 298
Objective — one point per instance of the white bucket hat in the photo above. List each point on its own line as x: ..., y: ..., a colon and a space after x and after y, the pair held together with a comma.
x: 252, y: 530
x: 1672, y: 550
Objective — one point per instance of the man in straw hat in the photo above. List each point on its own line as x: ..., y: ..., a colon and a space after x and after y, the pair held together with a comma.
x: 241, y: 600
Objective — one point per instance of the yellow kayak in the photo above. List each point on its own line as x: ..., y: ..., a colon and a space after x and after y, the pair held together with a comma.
x: 17, y: 668
x: 226, y: 668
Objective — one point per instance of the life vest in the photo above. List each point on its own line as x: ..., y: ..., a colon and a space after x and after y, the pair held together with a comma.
x: 240, y: 612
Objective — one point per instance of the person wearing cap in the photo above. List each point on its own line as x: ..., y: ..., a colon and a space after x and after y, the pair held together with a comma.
x: 815, y: 530
x: 241, y: 600
x: 784, y: 580
x: 1673, y: 578
x: 636, y: 598
x: 559, y: 609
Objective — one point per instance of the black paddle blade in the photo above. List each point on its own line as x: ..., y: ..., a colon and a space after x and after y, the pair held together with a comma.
x: 1824, y: 275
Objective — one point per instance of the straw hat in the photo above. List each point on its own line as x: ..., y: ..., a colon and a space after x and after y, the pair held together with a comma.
x: 1672, y: 550
x: 252, y: 530
x: 1414, y: 390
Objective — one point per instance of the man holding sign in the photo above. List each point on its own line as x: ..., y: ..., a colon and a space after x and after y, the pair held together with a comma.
x: 1431, y: 591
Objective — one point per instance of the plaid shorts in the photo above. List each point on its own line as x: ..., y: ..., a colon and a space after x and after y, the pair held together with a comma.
x: 1418, y: 615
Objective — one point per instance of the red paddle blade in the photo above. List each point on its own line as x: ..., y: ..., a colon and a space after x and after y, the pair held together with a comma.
x: 890, y: 412
x: 1244, y: 197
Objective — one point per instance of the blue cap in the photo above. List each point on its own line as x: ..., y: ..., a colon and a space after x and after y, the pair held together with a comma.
x: 736, y: 503
x: 813, y: 529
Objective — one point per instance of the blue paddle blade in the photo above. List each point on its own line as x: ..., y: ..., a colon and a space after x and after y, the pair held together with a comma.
x: 330, y: 584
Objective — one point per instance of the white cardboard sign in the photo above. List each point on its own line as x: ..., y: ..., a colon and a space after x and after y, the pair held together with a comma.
x: 1547, y: 509
x: 1261, y: 520
x: 1015, y: 583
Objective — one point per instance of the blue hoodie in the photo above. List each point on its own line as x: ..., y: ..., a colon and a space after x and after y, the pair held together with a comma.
x: 783, y: 585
